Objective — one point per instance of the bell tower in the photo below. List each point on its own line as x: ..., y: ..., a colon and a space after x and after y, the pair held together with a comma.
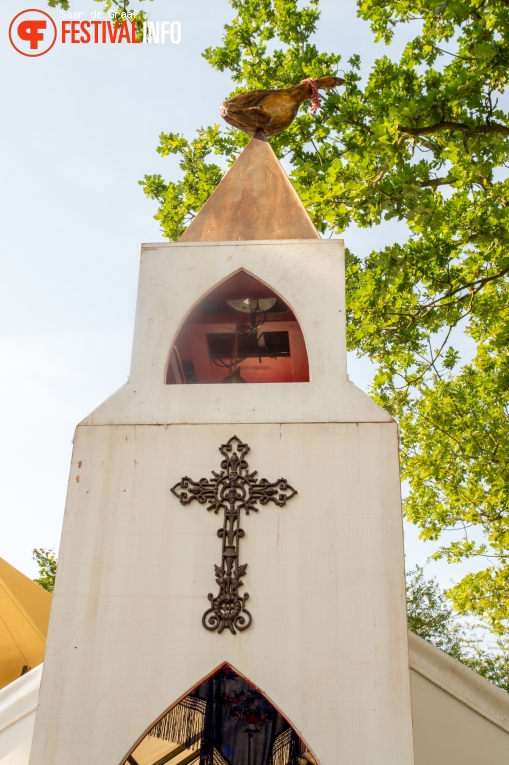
x: 252, y: 528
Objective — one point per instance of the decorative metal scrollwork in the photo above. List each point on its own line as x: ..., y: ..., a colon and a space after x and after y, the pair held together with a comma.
x: 232, y: 490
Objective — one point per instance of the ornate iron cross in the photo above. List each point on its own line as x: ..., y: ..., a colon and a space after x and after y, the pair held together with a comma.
x: 233, y: 489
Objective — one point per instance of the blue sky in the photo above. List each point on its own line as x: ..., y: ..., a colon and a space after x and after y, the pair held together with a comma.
x: 80, y: 127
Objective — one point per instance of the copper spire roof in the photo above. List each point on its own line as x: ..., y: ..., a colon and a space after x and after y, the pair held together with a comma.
x: 255, y: 200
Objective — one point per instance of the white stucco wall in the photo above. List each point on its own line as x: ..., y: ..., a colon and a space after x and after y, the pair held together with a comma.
x: 458, y: 716
x: 18, y: 702
x: 325, y: 578
x: 309, y: 276
x: 328, y: 643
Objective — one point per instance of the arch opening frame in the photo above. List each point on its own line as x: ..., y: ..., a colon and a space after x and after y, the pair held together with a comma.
x: 219, y: 721
x: 240, y: 327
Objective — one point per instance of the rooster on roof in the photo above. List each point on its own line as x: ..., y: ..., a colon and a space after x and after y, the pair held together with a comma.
x: 271, y: 111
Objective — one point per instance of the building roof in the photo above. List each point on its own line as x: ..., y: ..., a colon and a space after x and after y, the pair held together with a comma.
x: 24, y: 616
x: 255, y: 200
x: 459, y: 681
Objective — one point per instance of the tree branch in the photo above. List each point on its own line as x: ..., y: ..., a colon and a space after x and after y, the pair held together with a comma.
x: 476, y: 284
x: 434, y: 182
x: 493, y: 127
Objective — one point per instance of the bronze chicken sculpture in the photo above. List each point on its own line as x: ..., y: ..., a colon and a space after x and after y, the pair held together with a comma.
x: 271, y: 111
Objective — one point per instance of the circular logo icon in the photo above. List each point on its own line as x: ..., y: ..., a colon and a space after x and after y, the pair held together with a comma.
x: 32, y: 32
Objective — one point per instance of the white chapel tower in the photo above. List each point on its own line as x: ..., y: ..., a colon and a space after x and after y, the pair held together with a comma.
x: 231, y: 568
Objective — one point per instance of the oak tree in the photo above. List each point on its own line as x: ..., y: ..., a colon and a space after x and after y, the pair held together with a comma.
x: 47, y: 562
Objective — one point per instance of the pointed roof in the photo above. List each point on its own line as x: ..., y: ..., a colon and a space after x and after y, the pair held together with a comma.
x: 255, y: 200
x: 24, y: 616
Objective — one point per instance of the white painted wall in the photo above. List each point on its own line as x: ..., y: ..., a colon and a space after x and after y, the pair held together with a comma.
x: 458, y: 716
x: 325, y: 578
x: 18, y: 702
x: 325, y: 575
x: 309, y: 276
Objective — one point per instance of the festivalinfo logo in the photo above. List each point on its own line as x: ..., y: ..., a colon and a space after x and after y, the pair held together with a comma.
x: 34, y: 32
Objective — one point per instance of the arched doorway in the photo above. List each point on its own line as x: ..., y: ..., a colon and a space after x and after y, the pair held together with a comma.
x: 225, y: 720
x: 241, y: 331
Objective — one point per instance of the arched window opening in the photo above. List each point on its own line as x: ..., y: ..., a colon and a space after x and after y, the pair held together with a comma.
x: 241, y: 331
x: 224, y: 721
